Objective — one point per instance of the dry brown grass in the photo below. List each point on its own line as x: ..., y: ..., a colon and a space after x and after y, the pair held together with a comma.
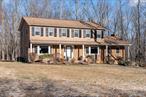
x: 78, y: 76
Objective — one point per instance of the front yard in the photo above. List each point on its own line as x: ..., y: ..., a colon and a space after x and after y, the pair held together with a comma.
x: 38, y: 80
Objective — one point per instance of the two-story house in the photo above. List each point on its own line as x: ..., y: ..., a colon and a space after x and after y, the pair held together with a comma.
x: 69, y: 38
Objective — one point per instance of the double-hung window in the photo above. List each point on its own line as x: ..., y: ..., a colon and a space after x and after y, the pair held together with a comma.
x: 63, y: 32
x: 98, y: 34
x: 87, y: 50
x: 76, y: 33
x: 88, y: 33
x: 49, y: 31
x: 94, y: 50
x: 36, y: 31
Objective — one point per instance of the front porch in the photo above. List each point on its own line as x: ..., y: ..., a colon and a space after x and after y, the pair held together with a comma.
x: 68, y: 52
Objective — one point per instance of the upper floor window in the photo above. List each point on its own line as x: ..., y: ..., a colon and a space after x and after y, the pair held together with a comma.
x: 87, y: 33
x: 98, y: 34
x: 76, y: 32
x: 49, y: 31
x: 37, y: 31
x: 63, y: 32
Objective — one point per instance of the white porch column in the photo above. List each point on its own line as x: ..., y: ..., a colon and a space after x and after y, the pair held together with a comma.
x: 60, y: 49
x: 72, y: 51
x: 49, y: 50
x: 98, y: 50
x: 106, y: 50
x: 38, y: 50
x: 31, y: 48
x: 89, y: 50
x: 83, y: 51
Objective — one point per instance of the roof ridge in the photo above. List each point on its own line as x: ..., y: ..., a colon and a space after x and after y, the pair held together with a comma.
x: 50, y: 18
x: 60, y: 22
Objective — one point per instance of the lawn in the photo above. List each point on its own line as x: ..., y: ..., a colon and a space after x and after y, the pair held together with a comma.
x: 39, y: 80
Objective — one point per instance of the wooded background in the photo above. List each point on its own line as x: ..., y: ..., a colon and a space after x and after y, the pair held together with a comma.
x: 125, y: 18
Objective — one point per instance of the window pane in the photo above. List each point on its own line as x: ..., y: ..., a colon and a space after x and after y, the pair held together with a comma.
x: 37, y: 30
x: 44, y: 49
x: 88, y: 33
x: 76, y: 33
x: 98, y: 36
x: 87, y: 50
x: 51, y: 31
x: 94, y: 50
x: 63, y: 32
x: 117, y: 50
x: 37, y: 33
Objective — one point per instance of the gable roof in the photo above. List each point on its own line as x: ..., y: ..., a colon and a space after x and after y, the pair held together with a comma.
x: 115, y: 40
x: 33, y: 21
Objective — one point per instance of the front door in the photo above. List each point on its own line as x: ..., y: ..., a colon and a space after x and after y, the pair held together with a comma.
x: 68, y: 52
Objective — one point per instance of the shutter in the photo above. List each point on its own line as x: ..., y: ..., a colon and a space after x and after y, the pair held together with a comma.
x: 59, y: 32
x: 72, y: 32
x: 80, y: 33
x: 84, y: 33
x: 33, y: 31
x: 91, y: 33
x: 47, y: 32
x: 95, y: 34
x: 102, y: 34
x: 68, y: 33
x: 55, y: 32
x: 42, y: 32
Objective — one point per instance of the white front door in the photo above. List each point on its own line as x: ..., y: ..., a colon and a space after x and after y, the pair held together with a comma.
x: 68, y: 53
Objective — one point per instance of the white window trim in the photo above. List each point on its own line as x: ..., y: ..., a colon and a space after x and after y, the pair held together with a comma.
x: 98, y: 33
x: 89, y: 50
x: 50, y: 30
x: 63, y: 30
x: 87, y: 31
x: 76, y: 32
x: 37, y: 29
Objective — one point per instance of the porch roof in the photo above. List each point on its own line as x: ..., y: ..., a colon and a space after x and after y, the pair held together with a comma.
x: 64, y: 42
x: 103, y: 42
x: 115, y: 40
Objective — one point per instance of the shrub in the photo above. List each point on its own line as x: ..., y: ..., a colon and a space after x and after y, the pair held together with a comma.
x: 73, y: 60
x: 122, y: 62
x: 108, y: 60
x: 56, y: 57
x: 46, y: 56
x: 32, y: 57
x: 22, y: 59
x: 90, y: 59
